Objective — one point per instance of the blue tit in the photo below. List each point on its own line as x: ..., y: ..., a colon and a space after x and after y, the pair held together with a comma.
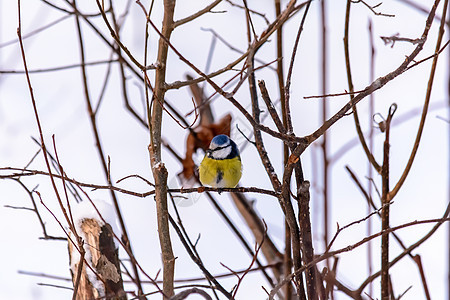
x: 221, y: 167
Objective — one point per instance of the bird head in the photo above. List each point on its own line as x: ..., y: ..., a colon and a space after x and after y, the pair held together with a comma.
x: 221, y: 147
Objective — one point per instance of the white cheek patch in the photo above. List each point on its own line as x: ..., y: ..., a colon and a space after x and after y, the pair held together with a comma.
x: 221, y: 153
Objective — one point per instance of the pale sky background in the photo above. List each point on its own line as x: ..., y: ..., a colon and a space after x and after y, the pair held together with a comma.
x: 61, y: 106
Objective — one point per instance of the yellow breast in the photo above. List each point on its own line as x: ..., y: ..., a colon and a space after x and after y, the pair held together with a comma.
x: 223, y: 173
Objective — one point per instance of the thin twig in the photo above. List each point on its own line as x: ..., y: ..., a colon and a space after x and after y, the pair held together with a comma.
x: 372, y: 8
x: 61, y: 68
x: 184, y: 294
x: 196, y: 15
x: 262, y: 15
x: 287, y: 87
x: 32, y: 33
x: 396, y: 38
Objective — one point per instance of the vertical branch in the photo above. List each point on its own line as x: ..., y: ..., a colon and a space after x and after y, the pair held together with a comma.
x: 285, y: 201
x: 285, y: 198
x: 160, y: 174
x: 324, y: 144
x: 280, y: 72
x: 385, y: 199
x: 371, y: 145
x: 385, y: 222
x: 306, y: 236
x: 448, y: 175
x: 287, y: 122
x: 290, y: 221
x: 276, y: 184
x: 287, y: 260
x: 280, y: 75
x: 256, y: 115
x: 158, y: 168
x: 76, y: 284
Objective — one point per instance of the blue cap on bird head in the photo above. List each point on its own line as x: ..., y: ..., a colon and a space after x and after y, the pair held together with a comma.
x: 219, y: 140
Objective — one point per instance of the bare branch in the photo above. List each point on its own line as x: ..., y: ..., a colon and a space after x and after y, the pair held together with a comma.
x: 197, y: 14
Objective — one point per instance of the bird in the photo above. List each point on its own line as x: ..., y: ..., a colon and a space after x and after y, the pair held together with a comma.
x: 221, y: 167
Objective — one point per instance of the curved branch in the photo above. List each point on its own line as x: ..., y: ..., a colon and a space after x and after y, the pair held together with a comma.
x: 351, y: 90
x: 117, y: 39
x: 425, y: 108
